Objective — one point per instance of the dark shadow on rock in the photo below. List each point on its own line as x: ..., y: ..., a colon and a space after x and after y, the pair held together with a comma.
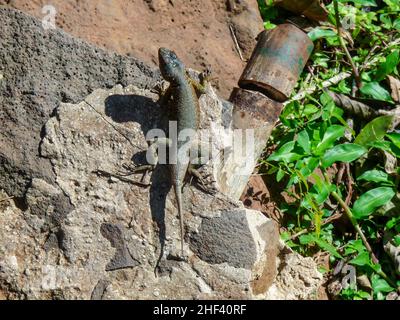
x: 122, y: 258
x: 136, y: 108
x: 150, y: 115
x: 160, y: 187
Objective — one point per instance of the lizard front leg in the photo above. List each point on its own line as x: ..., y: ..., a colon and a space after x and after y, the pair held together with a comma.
x: 200, y: 86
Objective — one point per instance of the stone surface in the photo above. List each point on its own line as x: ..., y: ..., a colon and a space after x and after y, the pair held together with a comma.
x: 198, y: 30
x: 116, y: 235
x: 246, y: 24
x: 39, y: 70
x: 226, y: 238
x: 71, y: 233
x: 99, y: 289
x: 77, y: 234
x: 258, y: 196
x: 297, y: 279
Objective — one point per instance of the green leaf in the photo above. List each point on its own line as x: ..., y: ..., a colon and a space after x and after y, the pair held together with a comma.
x: 396, y: 24
x: 382, y: 145
x: 321, y: 59
x: 368, y: 3
x: 343, y: 87
x: 320, y: 190
x: 283, y: 153
x: 386, y: 20
x: 363, y: 294
x: 376, y: 91
x: 343, y: 152
x: 318, y: 33
x: 380, y: 285
x: 280, y: 174
x: 375, y: 176
x: 394, y: 221
x: 328, y: 106
x: 395, y: 138
x: 309, y: 238
x: 309, y: 110
x: 333, y: 133
x: 387, y: 67
x: 307, y: 165
x: 361, y: 260
x: 328, y: 247
x: 396, y: 151
x: 356, y: 246
x: 374, y: 130
x: 269, y: 25
x: 371, y: 200
x: 304, y: 141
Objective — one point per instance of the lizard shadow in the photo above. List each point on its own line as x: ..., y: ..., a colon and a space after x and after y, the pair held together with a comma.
x: 149, y: 115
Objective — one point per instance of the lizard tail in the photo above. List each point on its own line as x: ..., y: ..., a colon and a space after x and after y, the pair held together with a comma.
x: 178, y: 195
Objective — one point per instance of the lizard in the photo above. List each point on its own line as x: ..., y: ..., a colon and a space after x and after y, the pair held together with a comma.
x: 183, y: 93
x: 182, y: 99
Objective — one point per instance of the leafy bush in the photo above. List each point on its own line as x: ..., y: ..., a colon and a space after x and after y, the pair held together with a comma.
x: 338, y: 167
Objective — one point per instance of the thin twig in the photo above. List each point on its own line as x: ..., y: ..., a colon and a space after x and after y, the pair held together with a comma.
x: 113, y: 126
x: 350, y: 183
x: 362, y: 236
x: 6, y: 199
x: 236, y: 42
x: 339, y: 176
x: 121, y: 178
x: 356, y: 73
x: 325, y: 84
x: 356, y: 225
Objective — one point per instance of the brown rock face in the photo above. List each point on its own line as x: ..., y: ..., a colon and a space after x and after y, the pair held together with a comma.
x: 197, y: 30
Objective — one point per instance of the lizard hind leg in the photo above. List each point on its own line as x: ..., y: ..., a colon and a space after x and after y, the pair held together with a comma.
x: 152, y: 159
x: 200, y: 156
x: 202, y: 180
x: 132, y: 168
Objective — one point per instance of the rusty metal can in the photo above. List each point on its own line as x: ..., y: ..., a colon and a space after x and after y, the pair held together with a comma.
x: 253, y: 110
x: 277, y: 62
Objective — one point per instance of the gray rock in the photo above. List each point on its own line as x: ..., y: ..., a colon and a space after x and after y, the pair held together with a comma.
x: 298, y: 277
x: 99, y: 289
x: 69, y: 109
x: 124, y: 228
x: 48, y: 202
x: 122, y: 258
x: 39, y: 70
x: 226, y: 238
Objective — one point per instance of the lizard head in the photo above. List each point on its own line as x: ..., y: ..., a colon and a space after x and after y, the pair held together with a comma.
x: 170, y: 66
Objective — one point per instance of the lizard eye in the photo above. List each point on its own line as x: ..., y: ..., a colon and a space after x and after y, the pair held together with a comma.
x: 174, y: 64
